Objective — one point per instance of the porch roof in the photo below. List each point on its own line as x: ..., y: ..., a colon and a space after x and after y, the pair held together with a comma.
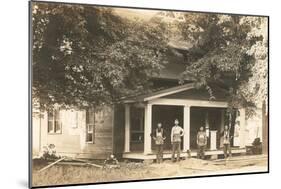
x: 160, y: 93
x: 181, y: 92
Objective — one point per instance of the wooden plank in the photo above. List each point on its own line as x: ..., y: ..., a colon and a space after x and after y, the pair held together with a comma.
x: 50, y: 165
x: 88, y: 163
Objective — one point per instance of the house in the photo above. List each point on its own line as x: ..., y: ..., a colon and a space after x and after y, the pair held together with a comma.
x: 124, y: 128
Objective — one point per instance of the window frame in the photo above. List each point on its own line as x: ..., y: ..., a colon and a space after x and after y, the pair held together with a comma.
x: 55, y: 120
x: 88, y: 123
x: 74, y: 119
x: 92, y: 132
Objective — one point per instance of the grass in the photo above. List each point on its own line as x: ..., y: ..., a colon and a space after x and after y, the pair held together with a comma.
x: 77, y: 174
x: 69, y: 174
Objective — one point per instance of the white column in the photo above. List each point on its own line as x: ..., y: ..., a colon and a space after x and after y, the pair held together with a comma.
x: 242, y: 132
x: 186, y: 128
x: 127, y: 128
x: 213, y: 141
x: 147, y: 128
x: 207, y: 126
x: 221, y: 128
x: 222, y: 120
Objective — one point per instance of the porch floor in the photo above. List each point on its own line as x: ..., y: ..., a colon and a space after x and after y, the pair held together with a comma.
x: 168, y: 154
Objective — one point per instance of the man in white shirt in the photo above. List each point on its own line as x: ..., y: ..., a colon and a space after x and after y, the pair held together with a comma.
x: 176, y: 134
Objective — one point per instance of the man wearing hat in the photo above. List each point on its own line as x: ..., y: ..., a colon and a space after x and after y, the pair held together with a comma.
x: 201, y: 143
x: 159, y: 137
x: 226, y: 142
x: 176, y: 134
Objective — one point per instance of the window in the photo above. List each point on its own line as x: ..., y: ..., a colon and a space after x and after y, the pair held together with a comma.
x: 54, y: 124
x: 74, y: 119
x: 90, y: 126
x: 90, y: 133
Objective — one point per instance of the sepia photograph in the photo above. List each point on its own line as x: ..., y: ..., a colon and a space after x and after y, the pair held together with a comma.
x: 122, y: 94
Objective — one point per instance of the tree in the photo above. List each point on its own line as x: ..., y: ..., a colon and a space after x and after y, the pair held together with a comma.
x: 89, y: 56
x: 224, y: 55
x: 256, y: 89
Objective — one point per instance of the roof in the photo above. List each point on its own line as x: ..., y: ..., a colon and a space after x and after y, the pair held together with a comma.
x: 185, y: 91
x: 171, y: 71
x: 160, y: 93
x: 174, y: 66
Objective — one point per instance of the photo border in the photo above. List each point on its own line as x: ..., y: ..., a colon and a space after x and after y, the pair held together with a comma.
x: 30, y: 79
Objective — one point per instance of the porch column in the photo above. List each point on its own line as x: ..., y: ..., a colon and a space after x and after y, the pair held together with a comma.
x: 127, y: 128
x: 242, y: 127
x: 222, y: 120
x: 221, y: 128
x: 186, y: 127
x: 207, y: 126
x: 147, y: 128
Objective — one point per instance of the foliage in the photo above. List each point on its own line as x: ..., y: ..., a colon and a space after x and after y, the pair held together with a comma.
x: 84, y: 55
x: 225, y: 54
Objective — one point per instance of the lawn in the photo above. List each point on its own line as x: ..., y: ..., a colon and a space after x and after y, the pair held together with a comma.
x: 74, y: 174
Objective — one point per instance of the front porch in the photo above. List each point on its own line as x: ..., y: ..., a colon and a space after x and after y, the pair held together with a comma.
x: 191, y: 108
x: 168, y: 154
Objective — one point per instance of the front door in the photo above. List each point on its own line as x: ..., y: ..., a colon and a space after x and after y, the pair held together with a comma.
x: 166, y: 115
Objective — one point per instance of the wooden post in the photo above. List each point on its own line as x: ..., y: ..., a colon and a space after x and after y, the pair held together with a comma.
x: 264, y: 129
x: 147, y: 128
x: 186, y: 128
x: 213, y: 141
x: 221, y: 128
x: 127, y: 128
x: 242, y: 139
x: 207, y: 126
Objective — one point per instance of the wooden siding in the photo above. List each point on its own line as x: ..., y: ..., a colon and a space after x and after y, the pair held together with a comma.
x: 72, y: 140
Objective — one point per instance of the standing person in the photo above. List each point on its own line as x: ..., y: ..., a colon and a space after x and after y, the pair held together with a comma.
x: 226, y: 142
x: 201, y: 143
x: 159, y: 137
x: 176, y: 134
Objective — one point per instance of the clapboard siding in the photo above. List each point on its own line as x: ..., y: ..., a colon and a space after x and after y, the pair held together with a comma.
x: 103, y: 141
x: 72, y: 140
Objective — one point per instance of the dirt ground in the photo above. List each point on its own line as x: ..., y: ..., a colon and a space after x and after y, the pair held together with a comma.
x: 73, y: 174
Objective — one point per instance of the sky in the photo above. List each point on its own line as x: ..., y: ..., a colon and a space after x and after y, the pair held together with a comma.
x: 135, y: 13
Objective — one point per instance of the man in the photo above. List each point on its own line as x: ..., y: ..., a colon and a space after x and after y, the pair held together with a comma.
x: 176, y: 134
x: 201, y: 143
x: 159, y: 137
x: 226, y: 142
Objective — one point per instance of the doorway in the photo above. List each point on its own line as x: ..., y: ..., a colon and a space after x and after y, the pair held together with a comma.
x: 212, y: 119
x: 166, y: 115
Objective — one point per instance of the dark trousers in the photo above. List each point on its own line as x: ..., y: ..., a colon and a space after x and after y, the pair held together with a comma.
x: 159, y: 153
x: 227, y: 150
x: 176, y: 147
x: 201, y: 152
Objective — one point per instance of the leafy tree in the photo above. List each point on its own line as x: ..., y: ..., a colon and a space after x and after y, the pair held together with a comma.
x: 224, y: 55
x: 89, y: 56
x: 84, y: 55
